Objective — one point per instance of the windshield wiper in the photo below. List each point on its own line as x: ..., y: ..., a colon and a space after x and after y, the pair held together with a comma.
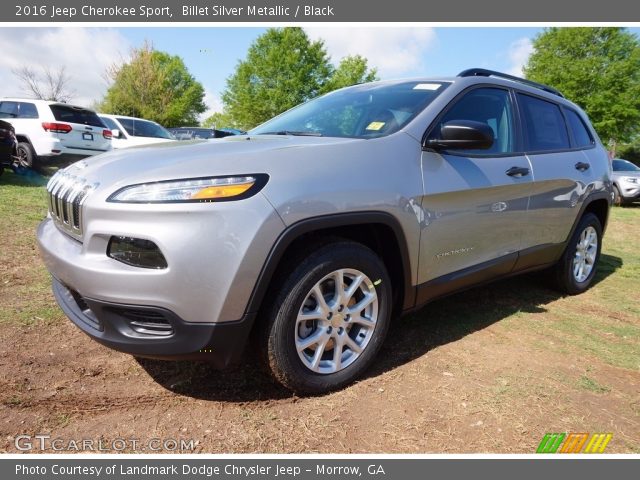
x: 295, y: 133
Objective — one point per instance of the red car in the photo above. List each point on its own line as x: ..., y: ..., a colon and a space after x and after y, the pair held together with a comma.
x: 8, y: 145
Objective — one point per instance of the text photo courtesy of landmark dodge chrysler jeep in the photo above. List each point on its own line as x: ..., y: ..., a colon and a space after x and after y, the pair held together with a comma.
x: 313, y: 231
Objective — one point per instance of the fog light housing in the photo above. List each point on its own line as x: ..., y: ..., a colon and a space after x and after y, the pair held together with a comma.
x: 136, y: 252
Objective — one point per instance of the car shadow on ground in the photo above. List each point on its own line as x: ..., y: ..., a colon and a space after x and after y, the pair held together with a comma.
x: 29, y: 178
x: 439, y: 323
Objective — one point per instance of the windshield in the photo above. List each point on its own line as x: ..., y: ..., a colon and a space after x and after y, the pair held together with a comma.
x: 143, y: 128
x: 624, y: 166
x: 363, y: 111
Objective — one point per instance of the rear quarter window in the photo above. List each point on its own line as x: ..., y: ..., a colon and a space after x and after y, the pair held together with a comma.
x: 67, y: 113
x: 544, y: 125
x: 581, y: 135
x: 27, y: 110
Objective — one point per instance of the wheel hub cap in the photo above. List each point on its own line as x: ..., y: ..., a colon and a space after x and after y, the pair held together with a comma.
x: 585, y: 256
x: 336, y: 321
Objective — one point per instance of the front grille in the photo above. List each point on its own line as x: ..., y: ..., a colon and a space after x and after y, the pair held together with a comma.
x: 66, y: 194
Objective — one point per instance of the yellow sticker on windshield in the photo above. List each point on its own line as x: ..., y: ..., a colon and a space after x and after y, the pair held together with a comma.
x: 375, y: 125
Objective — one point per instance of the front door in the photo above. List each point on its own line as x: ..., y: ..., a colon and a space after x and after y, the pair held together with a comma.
x: 475, y: 202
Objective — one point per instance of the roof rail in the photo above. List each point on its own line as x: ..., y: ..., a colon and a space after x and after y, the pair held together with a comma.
x: 483, y: 72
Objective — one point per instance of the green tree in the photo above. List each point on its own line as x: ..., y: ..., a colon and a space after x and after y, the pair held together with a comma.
x: 351, y: 71
x: 284, y: 68
x: 156, y: 86
x: 219, y: 120
x: 597, y: 68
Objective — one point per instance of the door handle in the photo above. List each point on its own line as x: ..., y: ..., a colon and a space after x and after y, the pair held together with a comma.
x: 582, y: 166
x: 517, y: 171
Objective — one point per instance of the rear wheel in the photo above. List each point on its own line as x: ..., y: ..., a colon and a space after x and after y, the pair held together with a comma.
x: 328, y: 319
x: 25, y: 157
x: 575, y: 271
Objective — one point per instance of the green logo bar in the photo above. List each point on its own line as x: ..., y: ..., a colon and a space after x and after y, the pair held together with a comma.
x: 550, y: 442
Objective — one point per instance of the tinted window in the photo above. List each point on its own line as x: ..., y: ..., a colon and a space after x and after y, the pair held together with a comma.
x: 487, y: 105
x: 624, y: 166
x: 8, y: 109
x: 143, y: 128
x: 111, y: 125
x: 27, y: 110
x: 544, y: 125
x: 67, y: 113
x: 581, y: 135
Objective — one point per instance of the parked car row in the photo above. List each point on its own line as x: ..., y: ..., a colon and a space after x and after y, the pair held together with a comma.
x: 44, y: 131
x: 192, y: 133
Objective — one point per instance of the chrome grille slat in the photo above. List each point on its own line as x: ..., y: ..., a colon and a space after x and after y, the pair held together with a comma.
x: 66, y: 194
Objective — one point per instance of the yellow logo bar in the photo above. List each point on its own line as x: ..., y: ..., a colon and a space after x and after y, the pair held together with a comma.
x: 598, y: 443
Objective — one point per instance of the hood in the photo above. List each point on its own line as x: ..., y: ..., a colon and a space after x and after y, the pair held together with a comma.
x: 133, y: 142
x: 235, y: 155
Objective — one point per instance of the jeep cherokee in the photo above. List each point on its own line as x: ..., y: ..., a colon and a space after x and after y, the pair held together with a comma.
x: 318, y: 227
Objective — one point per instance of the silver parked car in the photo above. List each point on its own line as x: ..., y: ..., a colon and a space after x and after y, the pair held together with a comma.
x: 626, y: 181
x: 318, y: 227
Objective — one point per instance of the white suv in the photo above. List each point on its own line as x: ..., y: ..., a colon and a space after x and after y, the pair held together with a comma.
x: 47, y: 130
x: 134, y: 132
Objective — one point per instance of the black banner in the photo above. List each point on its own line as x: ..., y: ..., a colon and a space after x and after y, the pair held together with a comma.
x: 173, y: 11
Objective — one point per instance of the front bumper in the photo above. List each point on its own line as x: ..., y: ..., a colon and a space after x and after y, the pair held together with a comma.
x: 153, y: 332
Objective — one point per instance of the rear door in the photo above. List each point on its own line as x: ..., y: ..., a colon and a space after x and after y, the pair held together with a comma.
x: 562, y: 172
x: 475, y: 202
x: 87, y: 131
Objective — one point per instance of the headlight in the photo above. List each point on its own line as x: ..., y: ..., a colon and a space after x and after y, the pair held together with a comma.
x: 212, y: 189
x: 630, y: 179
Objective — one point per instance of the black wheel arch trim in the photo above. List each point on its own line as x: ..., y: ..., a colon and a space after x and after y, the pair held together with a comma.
x: 599, y: 195
x: 294, y: 231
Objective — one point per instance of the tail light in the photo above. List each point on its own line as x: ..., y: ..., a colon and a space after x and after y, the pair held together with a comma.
x: 56, y: 127
x: 107, y: 134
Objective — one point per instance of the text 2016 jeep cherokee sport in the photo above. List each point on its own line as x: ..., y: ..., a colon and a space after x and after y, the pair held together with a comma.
x: 318, y: 226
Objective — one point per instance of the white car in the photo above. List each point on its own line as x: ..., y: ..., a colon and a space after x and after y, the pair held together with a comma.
x: 46, y: 130
x: 133, y: 132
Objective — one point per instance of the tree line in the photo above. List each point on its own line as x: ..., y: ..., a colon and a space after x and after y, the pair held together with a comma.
x: 598, y: 68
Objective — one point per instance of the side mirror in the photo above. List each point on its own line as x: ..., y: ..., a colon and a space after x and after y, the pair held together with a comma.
x: 461, y: 135
x: 116, y: 133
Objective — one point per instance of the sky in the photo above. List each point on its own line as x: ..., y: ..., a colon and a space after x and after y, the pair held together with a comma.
x: 211, y: 53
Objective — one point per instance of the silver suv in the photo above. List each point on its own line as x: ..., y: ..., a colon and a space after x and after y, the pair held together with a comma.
x: 318, y: 227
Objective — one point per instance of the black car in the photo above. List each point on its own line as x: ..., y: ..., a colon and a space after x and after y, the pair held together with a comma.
x: 8, y: 145
x: 191, y: 133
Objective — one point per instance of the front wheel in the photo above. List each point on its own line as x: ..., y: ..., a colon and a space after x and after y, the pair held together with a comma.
x: 576, y: 269
x: 617, y: 198
x: 328, y: 319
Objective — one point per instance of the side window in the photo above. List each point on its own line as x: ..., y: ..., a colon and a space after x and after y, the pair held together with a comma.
x: 27, y: 110
x: 544, y: 125
x: 491, y: 106
x: 581, y: 134
x: 8, y: 109
x: 110, y: 124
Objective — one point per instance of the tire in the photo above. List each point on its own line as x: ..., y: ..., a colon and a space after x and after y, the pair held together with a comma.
x: 331, y: 321
x: 567, y: 274
x: 26, y: 156
x: 617, y: 198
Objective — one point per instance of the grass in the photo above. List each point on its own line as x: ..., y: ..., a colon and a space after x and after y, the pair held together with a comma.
x: 592, y: 385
